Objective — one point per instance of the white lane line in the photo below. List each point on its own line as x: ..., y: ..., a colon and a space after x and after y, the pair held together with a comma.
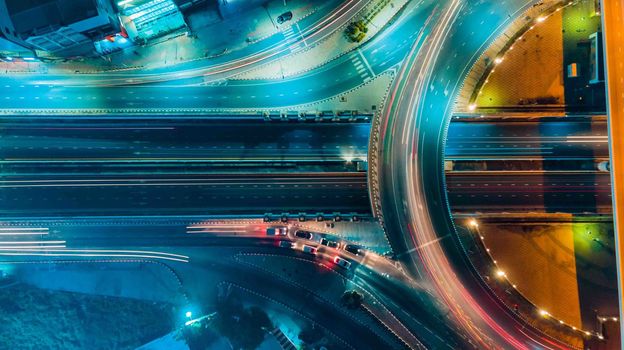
x: 146, y: 256
x: 33, y: 247
x: 33, y: 242
x: 372, y: 73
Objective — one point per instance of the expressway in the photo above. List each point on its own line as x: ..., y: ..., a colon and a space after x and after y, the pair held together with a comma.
x: 520, y: 191
x: 412, y: 193
x: 101, y: 145
x: 55, y: 167
x: 529, y: 166
x: 530, y: 140
x: 181, y: 194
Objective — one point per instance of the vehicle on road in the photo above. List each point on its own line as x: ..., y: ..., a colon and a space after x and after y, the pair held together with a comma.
x: 284, y: 17
x: 277, y: 231
x: 328, y: 243
x: 354, y: 249
x: 304, y: 234
x: 604, y: 166
x: 342, y: 262
x: 286, y: 244
x: 308, y: 249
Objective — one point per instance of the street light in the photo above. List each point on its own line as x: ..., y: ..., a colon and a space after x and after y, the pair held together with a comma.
x: 474, y: 223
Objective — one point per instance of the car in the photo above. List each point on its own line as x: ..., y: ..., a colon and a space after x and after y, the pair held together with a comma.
x: 328, y: 243
x: 604, y: 166
x: 284, y: 17
x: 308, y: 249
x: 342, y: 262
x: 277, y: 231
x: 353, y: 249
x: 286, y: 244
x: 304, y: 234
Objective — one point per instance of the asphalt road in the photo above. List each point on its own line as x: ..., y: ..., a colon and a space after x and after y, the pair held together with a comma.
x: 33, y: 146
x: 153, y: 194
x: 79, y: 93
x: 221, y: 246
x: 529, y: 192
x: 557, y: 139
x: 103, y: 166
x: 413, y: 197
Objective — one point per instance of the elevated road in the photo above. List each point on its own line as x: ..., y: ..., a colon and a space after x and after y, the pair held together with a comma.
x: 413, y: 196
x: 180, y: 194
x: 496, y: 192
x: 102, y: 145
x: 613, y: 28
x: 532, y: 140
x: 102, y: 166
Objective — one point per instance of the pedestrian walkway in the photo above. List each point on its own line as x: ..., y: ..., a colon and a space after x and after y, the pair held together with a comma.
x: 333, y: 46
x: 361, y: 65
x: 283, y: 341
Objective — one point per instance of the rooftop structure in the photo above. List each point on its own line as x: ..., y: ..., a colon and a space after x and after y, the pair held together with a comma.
x: 58, y: 26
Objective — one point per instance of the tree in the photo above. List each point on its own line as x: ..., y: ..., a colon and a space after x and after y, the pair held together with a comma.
x: 310, y: 335
x: 351, y: 299
x: 244, y: 327
x: 198, y: 336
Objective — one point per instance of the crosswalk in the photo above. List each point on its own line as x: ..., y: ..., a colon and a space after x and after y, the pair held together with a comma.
x: 281, y: 338
x: 293, y: 38
x: 361, y: 65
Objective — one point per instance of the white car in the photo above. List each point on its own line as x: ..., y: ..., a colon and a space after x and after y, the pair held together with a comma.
x: 342, y: 262
x: 286, y: 244
x: 277, y: 231
x: 604, y: 166
x: 308, y: 249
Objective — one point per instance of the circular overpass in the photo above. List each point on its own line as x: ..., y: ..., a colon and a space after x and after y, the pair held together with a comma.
x: 407, y: 176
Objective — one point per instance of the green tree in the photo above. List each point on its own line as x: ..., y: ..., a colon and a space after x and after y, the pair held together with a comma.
x: 351, y: 299
x: 244, y: 327
x: 310, y: 334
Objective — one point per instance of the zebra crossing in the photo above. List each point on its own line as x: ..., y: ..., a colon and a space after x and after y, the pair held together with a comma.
x: 289, y: 34
x: 361, y: 65
x: 294, y: 38
x: 281, y: 338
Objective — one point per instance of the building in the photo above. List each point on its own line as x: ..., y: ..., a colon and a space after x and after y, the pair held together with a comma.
x: 11, y: 45
x: 146, y: 19
x: 59, y: 27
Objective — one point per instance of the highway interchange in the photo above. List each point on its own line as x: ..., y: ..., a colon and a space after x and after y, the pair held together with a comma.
x: 115, y: 169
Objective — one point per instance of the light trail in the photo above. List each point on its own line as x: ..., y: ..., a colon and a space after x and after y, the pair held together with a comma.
x: 24, y: 228
x: 348, y: 8
x: 19, y: 251
x: 96, y: 255
x: 32, y: 242
x: 35, y: 247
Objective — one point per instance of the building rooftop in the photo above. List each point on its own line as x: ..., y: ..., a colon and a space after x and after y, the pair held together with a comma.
x: 32, y: 16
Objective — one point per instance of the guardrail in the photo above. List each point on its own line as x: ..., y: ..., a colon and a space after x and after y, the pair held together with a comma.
x: 317, y: 216
x: 331, y: 116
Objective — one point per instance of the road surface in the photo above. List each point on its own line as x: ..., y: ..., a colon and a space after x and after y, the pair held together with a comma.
x: 413, y: 196
x: 511, y: 140
x: 496, y: 192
